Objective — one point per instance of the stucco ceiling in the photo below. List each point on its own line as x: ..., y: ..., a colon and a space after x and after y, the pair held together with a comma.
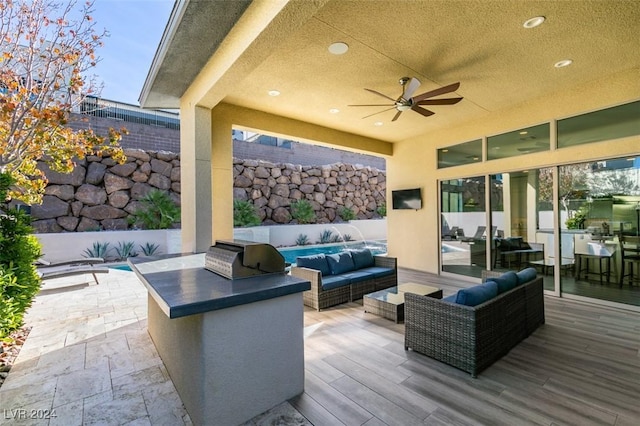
x: 481, y: 44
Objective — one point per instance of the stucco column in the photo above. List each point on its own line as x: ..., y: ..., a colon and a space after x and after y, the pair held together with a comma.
x: 195, y: 170
x: 221, y: 177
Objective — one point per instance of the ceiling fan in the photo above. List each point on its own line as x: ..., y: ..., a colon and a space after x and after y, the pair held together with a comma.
x: 407, y: 101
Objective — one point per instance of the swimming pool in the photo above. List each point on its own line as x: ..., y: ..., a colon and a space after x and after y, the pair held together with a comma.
x: 121, y: 267
x: 451, y: 249
x: 291, y: 253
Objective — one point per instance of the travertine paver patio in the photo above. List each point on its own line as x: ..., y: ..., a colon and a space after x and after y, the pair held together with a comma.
x: 89, y: 360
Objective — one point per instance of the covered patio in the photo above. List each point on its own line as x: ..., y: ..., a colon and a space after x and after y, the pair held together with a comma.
x: 90, y: 360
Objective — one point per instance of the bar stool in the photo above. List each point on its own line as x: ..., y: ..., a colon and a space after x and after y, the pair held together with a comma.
x: 630, y: 253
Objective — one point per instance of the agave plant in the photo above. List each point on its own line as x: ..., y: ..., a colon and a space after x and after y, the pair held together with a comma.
x: 98, y: 249
x: 149, y: 249
x: 302, y: 240
x: 325, y: 236
x: 125, y: 250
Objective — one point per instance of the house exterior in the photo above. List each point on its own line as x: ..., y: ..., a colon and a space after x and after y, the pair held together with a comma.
x: 521, y: 153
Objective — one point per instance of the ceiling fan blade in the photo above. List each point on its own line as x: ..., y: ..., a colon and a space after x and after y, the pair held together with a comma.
x: 446, y: 89
x: 380, y: 94
x: 395, y: 117
x: 410, y: 88
x: 445, y: 101
x: 422, y: 111
x: 378, y: 105
x: 379, y: 112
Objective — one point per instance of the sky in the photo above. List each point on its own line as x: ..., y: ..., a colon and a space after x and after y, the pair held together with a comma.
x: 135, y: 28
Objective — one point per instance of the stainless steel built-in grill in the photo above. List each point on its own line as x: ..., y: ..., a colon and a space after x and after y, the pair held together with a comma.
x: 243, y: 259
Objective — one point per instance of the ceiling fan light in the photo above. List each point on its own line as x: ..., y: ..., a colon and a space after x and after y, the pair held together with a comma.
x: 533, y: 22
x: 403, y: 107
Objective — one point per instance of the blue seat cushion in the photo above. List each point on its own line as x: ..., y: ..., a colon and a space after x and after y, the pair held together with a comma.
x: 340, y: 263
x: 362, y: 258
x: 526, y: 275
x: 506, y: 281
x: 378, y: 271
x: 316, y: 261
x: 334, y: 281
x: 478, y: 294
x: 450, y: 299
x: 358, y: 276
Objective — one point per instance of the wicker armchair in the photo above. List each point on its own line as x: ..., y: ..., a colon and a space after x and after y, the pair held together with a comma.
x: 317, y: 298
x: 472, y: 338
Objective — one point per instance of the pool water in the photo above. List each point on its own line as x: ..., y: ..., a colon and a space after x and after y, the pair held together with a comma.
x: 121, y: 267
x: 290, y: 254
x: 449, y: 249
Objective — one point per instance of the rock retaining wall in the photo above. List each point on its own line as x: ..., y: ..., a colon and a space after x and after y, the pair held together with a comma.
x: 100, y: 194
x: 273, y: 187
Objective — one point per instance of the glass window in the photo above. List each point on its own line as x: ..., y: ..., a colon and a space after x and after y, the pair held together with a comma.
x: 611, y: 123
x: 523, y: 141
x: 515, y: 208
x: 463, y: 219
x: 599, y: 214
x: 464, y: 153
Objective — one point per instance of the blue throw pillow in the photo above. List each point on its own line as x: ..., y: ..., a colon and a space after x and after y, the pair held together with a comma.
x: 316, y: 261
x: 526, y: 275
x: 476, y: 295
x: 362, y: 258
x: 506, y: 281
x: 340, y: 263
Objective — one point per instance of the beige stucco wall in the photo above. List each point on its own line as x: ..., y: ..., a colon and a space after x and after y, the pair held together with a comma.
x: 207, y: 147
x: 413, y: 235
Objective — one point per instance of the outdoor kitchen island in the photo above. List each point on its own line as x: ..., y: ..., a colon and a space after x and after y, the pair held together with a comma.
x: 234, y: 348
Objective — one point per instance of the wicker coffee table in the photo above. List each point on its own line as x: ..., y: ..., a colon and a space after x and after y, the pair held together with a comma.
x: 389, y: 303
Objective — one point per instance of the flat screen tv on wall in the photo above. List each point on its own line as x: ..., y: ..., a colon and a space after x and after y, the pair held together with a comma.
x: 406, y: 199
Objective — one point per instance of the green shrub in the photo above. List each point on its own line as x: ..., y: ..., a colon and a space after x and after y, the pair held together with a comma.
x: 346, y: 214
x: 158, y: 211
x: 302, y: 211
x: 19, y: 249
x: 244, y: 214
x: 382, y: 209
x: 302, y: 240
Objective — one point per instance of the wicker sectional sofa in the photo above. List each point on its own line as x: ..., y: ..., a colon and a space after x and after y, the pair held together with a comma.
x: 472, y: 338
x: 344, y: 277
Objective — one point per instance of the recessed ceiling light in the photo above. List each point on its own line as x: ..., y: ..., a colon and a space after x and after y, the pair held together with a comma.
x: 378, y: 123
x: 445, y: 150
x: 563, y: 63
x: 338, y: 48
x: 274, y: 93
x: 533, y: 22
x: 334, y: 110
x: 524, y: 132
x: 476, y: 158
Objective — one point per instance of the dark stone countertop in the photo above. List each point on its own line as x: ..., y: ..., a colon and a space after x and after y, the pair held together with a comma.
x: 181, y: 286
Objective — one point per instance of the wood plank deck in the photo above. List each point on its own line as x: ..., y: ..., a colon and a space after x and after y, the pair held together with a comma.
x: 582, y: 367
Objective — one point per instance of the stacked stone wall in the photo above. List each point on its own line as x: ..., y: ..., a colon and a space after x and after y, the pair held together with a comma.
x: 100, y: 194
x: 273, y: 187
